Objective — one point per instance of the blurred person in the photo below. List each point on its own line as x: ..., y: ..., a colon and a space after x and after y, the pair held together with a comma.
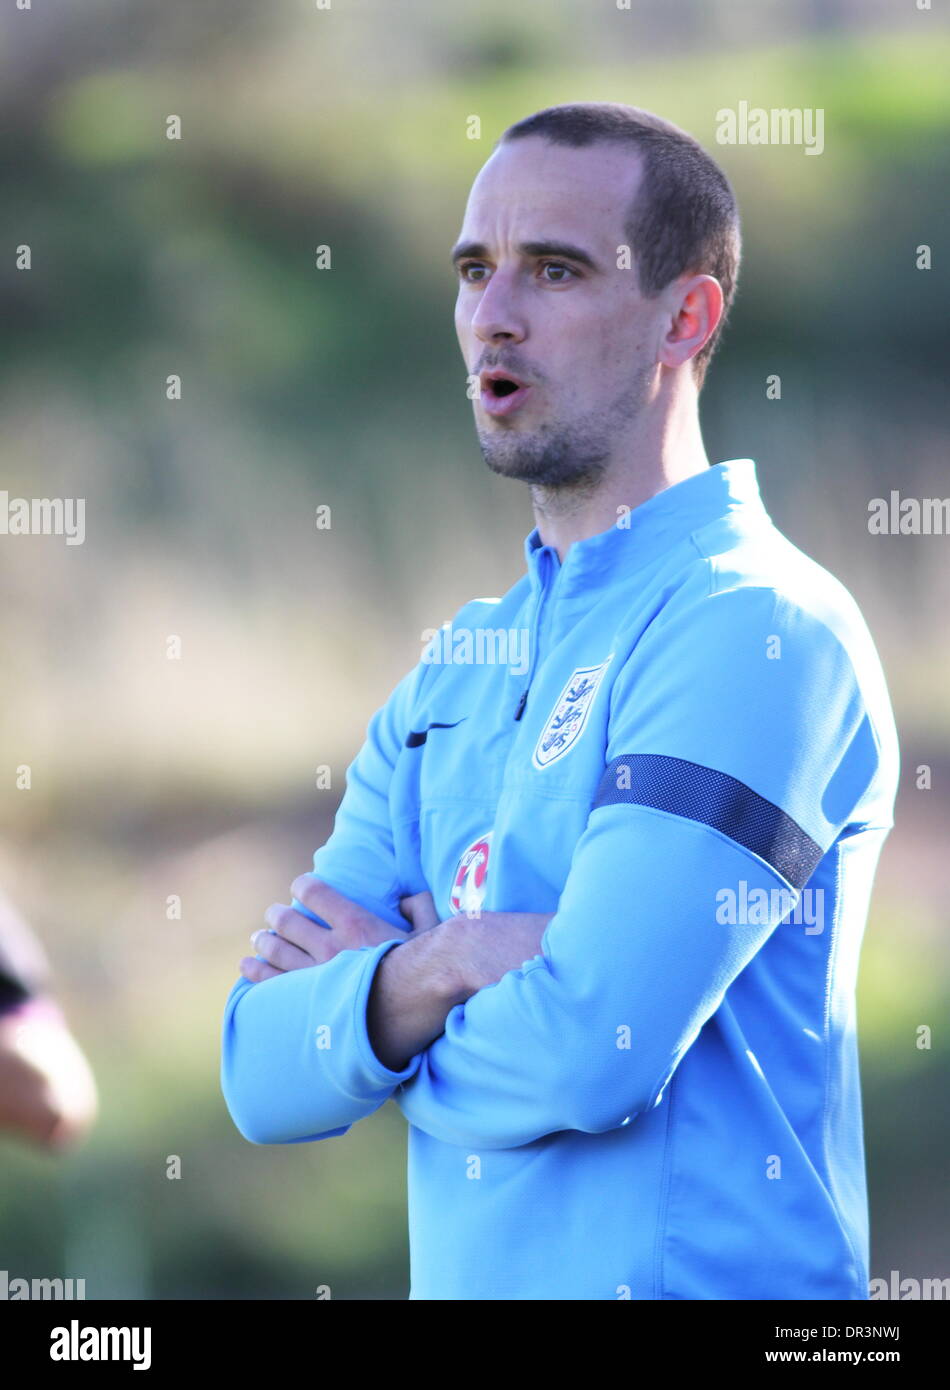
x: 622, y: 1025
x: 48, y: 1093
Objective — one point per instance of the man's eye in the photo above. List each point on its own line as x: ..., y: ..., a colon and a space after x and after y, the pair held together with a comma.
x: 563, y: 272
x: 556, y: 265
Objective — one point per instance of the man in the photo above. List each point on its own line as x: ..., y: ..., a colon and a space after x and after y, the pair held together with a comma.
x: 623, y: 1027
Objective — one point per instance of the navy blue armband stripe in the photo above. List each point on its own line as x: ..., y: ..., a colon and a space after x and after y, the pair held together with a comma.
x: 715, y: 799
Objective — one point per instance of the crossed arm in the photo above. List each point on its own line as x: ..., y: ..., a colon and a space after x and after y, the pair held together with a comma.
x: 437, y: 965
x: 720, y: 775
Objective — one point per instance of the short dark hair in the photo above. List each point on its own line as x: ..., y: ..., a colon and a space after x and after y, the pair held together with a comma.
x: 684, y: 219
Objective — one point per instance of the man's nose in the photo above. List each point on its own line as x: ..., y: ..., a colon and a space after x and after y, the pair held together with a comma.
x: 499, y: 314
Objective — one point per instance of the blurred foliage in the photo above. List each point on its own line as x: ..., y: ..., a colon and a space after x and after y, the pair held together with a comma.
x: 347, y: 128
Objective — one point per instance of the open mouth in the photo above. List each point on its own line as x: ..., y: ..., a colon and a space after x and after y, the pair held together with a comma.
x: 503, y: 395
x: 501, y: 387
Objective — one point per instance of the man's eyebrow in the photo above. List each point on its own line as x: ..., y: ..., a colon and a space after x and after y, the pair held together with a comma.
x: 477, y: 251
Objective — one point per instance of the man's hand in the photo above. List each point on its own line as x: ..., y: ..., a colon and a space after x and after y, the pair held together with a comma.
x: 489, y: 944
x: 295, y: 942
x: 48, y: 1093
x: 416, y: 987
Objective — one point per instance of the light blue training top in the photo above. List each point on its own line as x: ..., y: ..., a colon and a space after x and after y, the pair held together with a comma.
x: 679, y: 741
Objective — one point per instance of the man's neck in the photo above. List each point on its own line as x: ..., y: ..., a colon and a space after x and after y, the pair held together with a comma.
x: 566, y: 515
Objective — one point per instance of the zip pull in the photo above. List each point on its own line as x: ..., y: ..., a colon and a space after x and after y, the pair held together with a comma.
x: 543, y: 560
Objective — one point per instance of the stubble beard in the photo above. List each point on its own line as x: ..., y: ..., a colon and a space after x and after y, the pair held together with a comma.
x: 565, y: 460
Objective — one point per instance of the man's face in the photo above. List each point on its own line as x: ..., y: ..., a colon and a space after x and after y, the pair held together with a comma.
x: 581, y: 336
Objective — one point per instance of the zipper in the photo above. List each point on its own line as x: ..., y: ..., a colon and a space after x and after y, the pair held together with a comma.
x: 543, y: 561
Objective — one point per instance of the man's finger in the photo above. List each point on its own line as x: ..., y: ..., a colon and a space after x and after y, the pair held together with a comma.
x: 351, y: 925
x: 344, y: 916
x: 281, y: 953
x: 294, y: 927
x: 257, y: 970
x: 318, y: 943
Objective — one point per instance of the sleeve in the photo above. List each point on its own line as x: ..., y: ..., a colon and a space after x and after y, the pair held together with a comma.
x: 725, y: 763
x: 293, y: 1066
x: 359, y: 858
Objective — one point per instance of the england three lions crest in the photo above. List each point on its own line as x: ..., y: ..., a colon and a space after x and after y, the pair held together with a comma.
x: 569, y: 716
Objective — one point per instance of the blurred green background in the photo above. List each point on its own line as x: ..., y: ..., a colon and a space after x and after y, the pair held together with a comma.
x: 347, y: 127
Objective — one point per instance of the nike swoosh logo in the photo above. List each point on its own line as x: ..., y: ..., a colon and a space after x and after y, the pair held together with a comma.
x: 415, y: 740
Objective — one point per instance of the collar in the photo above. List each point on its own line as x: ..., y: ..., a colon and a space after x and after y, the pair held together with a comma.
x: 653, y: 528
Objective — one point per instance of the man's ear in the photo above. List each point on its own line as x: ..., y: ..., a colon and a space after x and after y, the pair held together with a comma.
x: 695, y: 310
